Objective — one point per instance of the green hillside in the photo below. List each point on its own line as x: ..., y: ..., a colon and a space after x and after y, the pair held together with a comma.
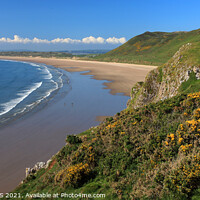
x: 146, y: 153
x: 153, y: 48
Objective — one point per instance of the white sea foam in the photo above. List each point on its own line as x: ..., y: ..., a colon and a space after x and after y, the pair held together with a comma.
x: 60, y: 79
x: 22, y: 95
x: 10, y: 60
x: 47, y: 73
x: 56, y: 84
x: 33, y: 64
x: 47, y: 94
x: 44, y: 70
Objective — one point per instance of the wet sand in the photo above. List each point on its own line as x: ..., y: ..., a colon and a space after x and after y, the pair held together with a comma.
x: 101, y: 118
x: 39, y: 135
x: 122, y: 76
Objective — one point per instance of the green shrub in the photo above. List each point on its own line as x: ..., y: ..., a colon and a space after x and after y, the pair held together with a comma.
x: 72, y: 139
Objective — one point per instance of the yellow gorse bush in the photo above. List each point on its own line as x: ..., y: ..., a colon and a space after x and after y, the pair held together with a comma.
x: 185, y: 177
x: 186, y: 147
x: 194, y: 95
x: 73, y: 175
x: 189, y: 131
x: 110, y: 126
x: 197, y: 113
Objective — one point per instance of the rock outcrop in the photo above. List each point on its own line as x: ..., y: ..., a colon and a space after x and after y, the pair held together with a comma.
x: 37, y: 166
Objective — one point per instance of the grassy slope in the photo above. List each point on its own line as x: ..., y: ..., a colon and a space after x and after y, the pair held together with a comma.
x: 150, y: 47
x: 146, y: 153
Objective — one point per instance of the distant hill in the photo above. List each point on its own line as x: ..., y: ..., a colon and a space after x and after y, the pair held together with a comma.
x: 86, y: 52
x: 154, y: 48
x: 55, y: 54
x: 36, y: 54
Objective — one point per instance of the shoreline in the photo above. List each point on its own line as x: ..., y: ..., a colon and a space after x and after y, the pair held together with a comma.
x: 32, y: 139
x: 39, y: 134
x: 120, y: 77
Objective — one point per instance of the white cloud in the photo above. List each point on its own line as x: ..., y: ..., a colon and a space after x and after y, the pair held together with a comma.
x: 86, y: 40
x: 3, y: 39
x: 65, y: 40
x: 93, y: 40
x: 16, y: 39
x: 115, y: 40
x: 36, y: 40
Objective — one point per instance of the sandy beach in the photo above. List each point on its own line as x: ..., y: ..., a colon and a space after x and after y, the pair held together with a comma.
x: 122, y: 76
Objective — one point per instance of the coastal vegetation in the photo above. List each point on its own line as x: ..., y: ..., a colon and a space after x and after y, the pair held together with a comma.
x: 147, y: 153
x: 36, y: 54
x: 55, y: 54
x: 150, y: 150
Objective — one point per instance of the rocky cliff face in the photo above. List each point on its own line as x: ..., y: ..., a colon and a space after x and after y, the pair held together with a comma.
x: 165, y: 81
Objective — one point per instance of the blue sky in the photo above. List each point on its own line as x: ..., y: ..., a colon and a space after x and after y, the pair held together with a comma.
x: 119, y: 20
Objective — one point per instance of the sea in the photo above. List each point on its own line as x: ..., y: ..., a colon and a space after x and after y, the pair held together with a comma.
x: 24, y: 86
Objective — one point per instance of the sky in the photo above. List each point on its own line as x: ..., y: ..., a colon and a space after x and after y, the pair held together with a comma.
x: 49, y: 25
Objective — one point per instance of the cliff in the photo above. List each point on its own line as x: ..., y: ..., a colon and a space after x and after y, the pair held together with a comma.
x: 180, y: 74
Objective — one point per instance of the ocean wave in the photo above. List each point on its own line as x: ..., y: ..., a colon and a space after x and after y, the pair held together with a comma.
x: 47, y: 73
x: 10, y: 60
x: 22, y: 95
x: 60, y: 79
x: 47, y: 94
x: 52, y: 79
x: 33, y: 64
x: 56, y: 84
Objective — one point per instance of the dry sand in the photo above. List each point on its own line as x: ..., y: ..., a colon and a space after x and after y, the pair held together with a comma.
x: 122, y: 76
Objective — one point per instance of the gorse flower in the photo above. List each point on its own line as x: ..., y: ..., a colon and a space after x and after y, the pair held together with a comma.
x: 73, y: 175
x: 194, y: 95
